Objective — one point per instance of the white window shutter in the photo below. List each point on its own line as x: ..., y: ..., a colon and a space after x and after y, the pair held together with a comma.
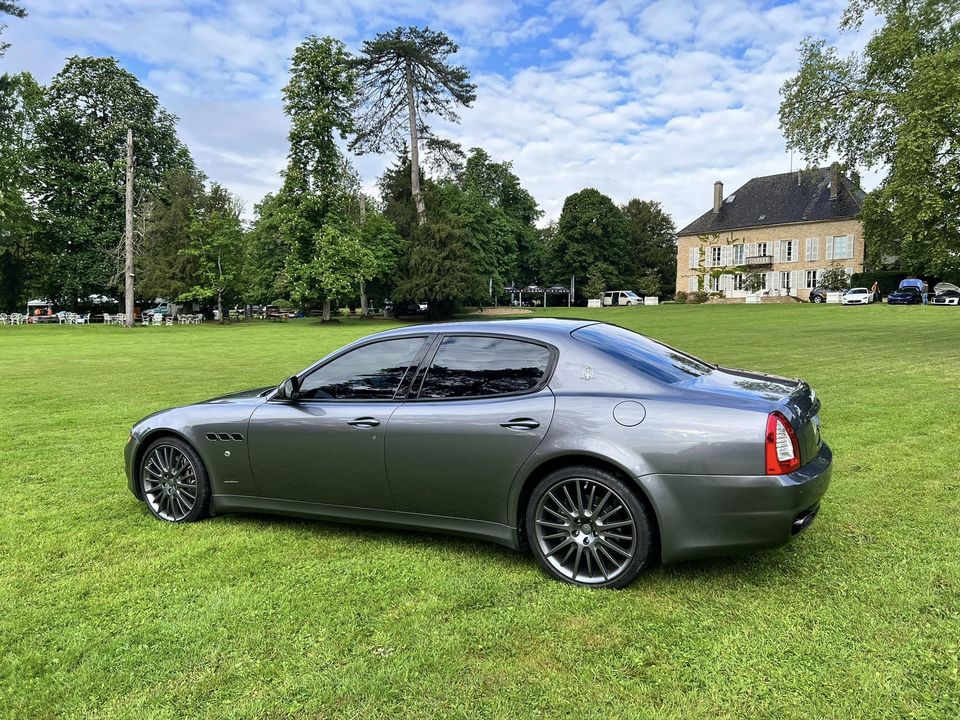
x: 728, y: 252
x: 829, y: 247
x: 692, y: 284
x: 850, y: 246
x: 776, y: 251
x: 797, y: 282
x: 692, y: 260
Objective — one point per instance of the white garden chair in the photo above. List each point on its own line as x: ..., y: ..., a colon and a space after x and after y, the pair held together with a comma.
x: 16, y: 319
x: 4, y: 319
x: 107, y: 319
x: 168, y: 321
x: 185, y: 319
x: 197, y: 319
x: 156, y: 320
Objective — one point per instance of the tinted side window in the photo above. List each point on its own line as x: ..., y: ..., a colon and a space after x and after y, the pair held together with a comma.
x: 472, y: 366
x: 371, y: 372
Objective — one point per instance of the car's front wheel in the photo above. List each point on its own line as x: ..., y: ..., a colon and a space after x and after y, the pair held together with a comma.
x: 586, y: 526
x: 818, y: 299
x: 174, y: 481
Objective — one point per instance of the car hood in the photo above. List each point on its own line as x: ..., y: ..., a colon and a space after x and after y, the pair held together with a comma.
x: 243, y: 396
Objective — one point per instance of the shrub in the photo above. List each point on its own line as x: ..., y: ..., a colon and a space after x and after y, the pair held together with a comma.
x: 887, y: 280
x: 698, y: 297
x: 680, y: 297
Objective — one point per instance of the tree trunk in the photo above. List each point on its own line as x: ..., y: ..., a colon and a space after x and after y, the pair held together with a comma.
x: 414, y: 150
x: 326, y: 310
x: 363, y: 299
x: 220, y: 306
x: 128, y: 236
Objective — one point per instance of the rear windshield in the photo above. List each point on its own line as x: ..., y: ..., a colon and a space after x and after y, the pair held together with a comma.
x: 658, y: 361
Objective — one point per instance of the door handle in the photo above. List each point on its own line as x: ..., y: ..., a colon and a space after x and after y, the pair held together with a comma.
x: 521, y: 424
x: 364, y: 422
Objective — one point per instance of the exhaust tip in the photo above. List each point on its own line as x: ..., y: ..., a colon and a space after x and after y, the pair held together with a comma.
x: 804, y: 520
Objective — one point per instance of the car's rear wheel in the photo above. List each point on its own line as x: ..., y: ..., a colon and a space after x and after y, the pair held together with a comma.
x: 588, y: 527
x: 817, y: 299
x: 174, y: 481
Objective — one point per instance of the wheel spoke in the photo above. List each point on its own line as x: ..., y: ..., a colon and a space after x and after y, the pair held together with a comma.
x: 576, y: 560
x: 579, y: 499
x: 559, y: 546
x: 615, y: 536
x: 606, y: 515
x: 566, y: 492
x: 599, y: 561
x: 593, y: 491
x: 559, y: 505
x: 615, y: 547
x: 620, y: 523
x: 547, y: 523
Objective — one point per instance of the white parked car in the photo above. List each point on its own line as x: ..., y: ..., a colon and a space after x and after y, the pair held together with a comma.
x: 617, y: 298
x: 857, y: 296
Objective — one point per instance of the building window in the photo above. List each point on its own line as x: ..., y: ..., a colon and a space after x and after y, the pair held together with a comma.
x: 811, y: 279
x: 714, y: 283
x: 738, y: 255
x: 788, y: 251
x: 738, y: 281
x: 785, y: 279
x: 762, y: 249
x: 842, y: 247
x: 813, y: 249
x: 715, y: 253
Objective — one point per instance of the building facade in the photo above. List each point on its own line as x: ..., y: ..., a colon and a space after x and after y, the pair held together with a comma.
x: 789, y: 228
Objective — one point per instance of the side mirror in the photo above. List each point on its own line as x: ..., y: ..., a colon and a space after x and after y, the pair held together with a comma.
x: 289, y: 389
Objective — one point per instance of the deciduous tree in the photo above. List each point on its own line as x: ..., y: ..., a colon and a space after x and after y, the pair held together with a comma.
x: 592, y: 239
x: 892, y: 106
x: 652, y: 249
x: 81, y: 159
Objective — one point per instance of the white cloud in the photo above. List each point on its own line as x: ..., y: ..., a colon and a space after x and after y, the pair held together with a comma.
x: 653, y: 99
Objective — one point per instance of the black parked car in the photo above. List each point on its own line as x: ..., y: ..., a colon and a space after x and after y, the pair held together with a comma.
x: 818, y: 295
x: 905, y: 296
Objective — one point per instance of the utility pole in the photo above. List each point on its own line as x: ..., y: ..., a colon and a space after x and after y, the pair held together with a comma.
x: 363, y: 283
x: 128, y: 235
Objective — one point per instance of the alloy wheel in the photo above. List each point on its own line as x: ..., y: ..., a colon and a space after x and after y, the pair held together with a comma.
x: 169, y: 482
x: 585, y: 530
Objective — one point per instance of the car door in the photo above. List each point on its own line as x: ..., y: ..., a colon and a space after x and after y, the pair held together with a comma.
x: 479, y: 408
x: 327, y: 445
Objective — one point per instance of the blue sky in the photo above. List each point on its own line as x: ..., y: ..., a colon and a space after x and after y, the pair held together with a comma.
x: 653, y: 99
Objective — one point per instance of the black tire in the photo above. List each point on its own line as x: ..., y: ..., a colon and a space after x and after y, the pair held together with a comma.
x: 577, y: 519
x: 818, y: 299
x: 173, y: 481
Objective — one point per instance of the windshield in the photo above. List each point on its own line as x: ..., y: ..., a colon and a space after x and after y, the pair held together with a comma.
x: 858, y: 291
x: 630, y: 293
x: 658, y: 361
x: 909, y: 290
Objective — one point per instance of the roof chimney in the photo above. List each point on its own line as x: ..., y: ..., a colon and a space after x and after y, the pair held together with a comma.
x: 717, y: 196
x: 834, y: 181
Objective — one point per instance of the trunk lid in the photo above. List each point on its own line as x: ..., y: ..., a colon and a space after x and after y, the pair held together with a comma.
x: 791, y: 396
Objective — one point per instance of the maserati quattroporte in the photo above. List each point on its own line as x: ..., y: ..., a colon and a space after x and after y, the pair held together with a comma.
x: 600, y: 450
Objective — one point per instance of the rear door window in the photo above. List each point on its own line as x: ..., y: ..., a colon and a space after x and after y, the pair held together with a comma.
x: 473, y: 366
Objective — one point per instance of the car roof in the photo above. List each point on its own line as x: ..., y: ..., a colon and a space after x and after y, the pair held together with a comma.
x: 537, y: 328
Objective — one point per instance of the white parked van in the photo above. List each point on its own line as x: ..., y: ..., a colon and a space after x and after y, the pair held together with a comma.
x: 621, y: 297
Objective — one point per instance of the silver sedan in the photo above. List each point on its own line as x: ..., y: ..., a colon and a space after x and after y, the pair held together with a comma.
x: 600, y: 450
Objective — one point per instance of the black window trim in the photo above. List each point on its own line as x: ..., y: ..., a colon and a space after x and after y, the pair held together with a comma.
x: 402, y: 387
x: 417, y: 385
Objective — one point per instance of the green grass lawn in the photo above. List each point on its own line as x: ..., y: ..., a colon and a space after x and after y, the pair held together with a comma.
x: 105, y: 612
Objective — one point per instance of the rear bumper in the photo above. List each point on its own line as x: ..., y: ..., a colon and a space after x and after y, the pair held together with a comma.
x: 708, y: 515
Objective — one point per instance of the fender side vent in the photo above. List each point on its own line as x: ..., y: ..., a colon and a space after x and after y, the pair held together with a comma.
x: 237, y: 436
x: 211, y: 436
x: 223, y: 436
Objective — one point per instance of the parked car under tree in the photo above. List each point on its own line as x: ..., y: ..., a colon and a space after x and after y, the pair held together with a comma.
x: 600, y: 449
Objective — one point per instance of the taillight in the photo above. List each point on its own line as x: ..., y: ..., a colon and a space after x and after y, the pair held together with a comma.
x: 782, y: 451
